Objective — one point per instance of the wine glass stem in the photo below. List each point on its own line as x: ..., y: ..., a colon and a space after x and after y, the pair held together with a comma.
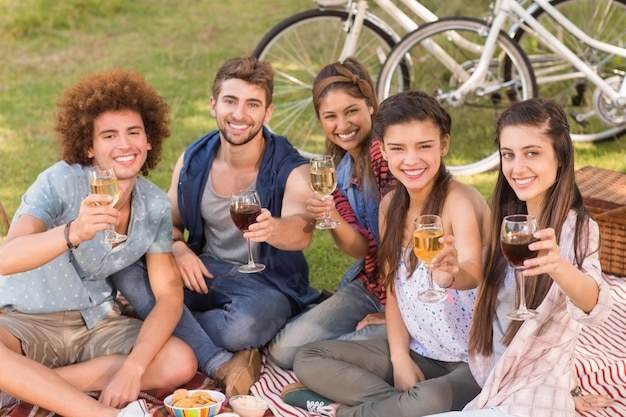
x: 522, y: 295
x: 429, y: 270
x: 250, y: 259
x: 112, y: 231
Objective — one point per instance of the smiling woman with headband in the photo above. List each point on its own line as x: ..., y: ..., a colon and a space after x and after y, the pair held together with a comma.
x: 345, y: 103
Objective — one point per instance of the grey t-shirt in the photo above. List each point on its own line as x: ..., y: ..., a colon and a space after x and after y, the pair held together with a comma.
x: 223, y: 240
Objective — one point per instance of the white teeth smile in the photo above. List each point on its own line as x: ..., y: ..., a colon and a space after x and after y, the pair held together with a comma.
x: 345, y: 136
x: 125, y: 158
x: 524, y: 181
x: 238, y: 126
x: 415, y: 172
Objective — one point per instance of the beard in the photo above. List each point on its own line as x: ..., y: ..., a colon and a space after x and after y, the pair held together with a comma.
x: 243, y: 140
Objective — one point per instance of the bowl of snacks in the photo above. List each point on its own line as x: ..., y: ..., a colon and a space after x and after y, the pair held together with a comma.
x: 194, y: 403
x: 248, y: 405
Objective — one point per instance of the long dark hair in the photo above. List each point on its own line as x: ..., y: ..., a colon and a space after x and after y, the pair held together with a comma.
x: 403, y: 108
x: 561, y: 197
x: 351, y: 77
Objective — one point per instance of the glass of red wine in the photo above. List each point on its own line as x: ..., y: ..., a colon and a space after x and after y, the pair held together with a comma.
x: 516, y: 234
x: 244, y: 209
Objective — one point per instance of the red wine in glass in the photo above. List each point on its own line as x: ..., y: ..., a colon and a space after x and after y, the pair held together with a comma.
x: 244, y: 209
x: 515, y: 235
x: 244, y: 215
x: 515, y: 248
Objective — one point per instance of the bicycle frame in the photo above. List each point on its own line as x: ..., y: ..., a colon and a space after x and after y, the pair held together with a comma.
x: 619, y: 98
x: 358, y: 10
x: 504, y: 8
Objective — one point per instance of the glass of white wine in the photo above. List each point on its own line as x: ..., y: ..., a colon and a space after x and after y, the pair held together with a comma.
x: 324, y: 181
x: 102, y: 180
x: 426, y: 245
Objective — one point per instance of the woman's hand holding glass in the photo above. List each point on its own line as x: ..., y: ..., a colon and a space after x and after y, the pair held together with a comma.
x: 445, y: 266
x: 548, y: 259
x: 318, y: 205
x: 428, y: 229
x: 516, y: 236
x: 324, y: 182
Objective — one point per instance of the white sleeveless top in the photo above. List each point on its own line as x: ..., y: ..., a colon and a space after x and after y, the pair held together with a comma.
x: 438, y: 330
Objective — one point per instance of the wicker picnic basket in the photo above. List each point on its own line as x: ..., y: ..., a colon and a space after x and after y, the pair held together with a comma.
x: 604, y: 194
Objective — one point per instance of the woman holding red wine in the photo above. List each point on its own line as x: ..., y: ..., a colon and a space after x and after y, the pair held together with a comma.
x: 525, y: 366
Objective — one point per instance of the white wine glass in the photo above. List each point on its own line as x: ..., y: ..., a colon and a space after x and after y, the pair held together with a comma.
x: 515, y: 235
x: 244, y: 209
x: 427, y: 231
x: 102, y: 180
x: 324, y: 181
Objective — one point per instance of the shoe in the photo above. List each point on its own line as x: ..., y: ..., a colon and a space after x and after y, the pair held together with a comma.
x: 239, y: 373
x: 298, y: 395
x: 7, y: 400
x: 137, y: 408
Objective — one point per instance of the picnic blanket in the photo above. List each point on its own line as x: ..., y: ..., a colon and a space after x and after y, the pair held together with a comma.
x: 600, y: 365
x: 154, y: 398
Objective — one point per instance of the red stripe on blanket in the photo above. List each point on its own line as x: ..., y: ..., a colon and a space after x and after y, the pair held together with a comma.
x: 600, y: 363
x: 601, y: 355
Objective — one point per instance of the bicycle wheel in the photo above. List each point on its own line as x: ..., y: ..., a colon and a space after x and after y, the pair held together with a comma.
x: 473, y: 116
x: 604, y: 20
x: 298, y: 48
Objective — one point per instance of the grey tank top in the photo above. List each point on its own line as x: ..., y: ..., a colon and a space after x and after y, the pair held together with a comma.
x: 223, y: 240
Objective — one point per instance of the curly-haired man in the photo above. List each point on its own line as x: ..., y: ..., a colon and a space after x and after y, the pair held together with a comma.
x: 59, y: 329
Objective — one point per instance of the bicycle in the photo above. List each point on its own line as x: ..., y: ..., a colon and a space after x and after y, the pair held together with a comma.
x: 301, y: 44
x: 475, y: 86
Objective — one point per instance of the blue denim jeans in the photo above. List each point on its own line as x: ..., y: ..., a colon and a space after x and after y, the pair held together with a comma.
x: 241, y: 311
x: 335, y: 318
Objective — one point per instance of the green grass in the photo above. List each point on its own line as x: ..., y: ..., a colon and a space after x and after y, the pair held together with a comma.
x: 177, y: 44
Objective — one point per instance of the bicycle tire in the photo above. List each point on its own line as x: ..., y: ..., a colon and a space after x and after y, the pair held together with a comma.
x: 473, y: 119
x: 603, y: 20
x: 298, y: 47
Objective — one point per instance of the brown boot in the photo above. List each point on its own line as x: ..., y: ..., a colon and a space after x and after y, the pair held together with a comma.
x: 240, y: 372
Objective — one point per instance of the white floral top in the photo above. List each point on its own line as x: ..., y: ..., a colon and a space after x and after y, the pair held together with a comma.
x: 440, y: 330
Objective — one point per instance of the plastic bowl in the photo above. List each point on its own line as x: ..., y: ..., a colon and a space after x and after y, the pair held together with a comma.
x: 202, y: 411
x: 248, y: 405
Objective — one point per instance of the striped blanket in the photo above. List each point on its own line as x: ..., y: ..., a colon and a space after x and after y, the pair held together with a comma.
x: 600, y: 365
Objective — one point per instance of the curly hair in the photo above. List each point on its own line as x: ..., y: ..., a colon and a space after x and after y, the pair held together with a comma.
x: 106, y: 91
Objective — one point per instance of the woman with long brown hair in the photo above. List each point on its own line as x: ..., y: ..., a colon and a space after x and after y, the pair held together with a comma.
x: 525, y: 367
x: 345, y: 103
x: 421, y: 367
